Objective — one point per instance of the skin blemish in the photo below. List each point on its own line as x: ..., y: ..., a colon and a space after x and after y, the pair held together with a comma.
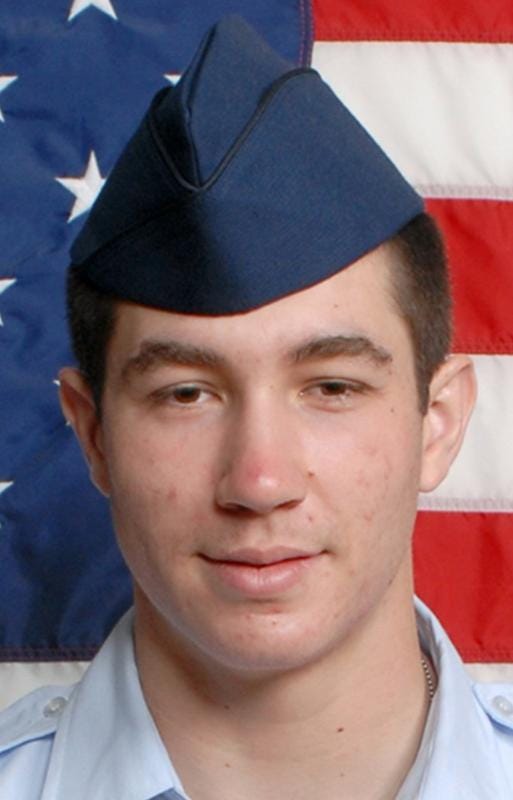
x: 340, y: 730
x: 311, y: 473
x: 228, y: 766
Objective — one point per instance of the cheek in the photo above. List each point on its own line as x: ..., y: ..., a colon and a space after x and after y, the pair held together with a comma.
x: 155, y: 463
x: 369, y: 476
x: 159, y: 490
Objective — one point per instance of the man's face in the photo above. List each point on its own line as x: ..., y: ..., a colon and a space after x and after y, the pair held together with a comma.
x: 263, y: 468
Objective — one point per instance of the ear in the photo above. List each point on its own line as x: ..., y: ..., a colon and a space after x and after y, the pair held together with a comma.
x: 80, y: 411
x: 451, y: 400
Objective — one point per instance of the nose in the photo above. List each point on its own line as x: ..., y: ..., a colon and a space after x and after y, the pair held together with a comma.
x: 262, y: 469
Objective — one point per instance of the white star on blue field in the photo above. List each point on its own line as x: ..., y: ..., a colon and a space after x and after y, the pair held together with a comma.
x: 85, y: 188
x: 81, y: 5
x: 5, y: 81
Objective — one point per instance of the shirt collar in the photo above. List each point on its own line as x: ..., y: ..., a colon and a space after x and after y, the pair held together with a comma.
x: 461, y: 750
x: 107, y: 744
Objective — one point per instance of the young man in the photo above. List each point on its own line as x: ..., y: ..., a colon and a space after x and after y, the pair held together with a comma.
x: 260, y: 312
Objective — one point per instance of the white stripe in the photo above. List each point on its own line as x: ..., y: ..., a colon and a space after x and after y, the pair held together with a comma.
x: 491, y: 673
x: 481, y: 478
x: 17, y: 679
x: 442, y: 111
x: 437, y: 192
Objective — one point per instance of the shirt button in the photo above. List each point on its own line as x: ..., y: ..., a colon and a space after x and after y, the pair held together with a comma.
x: 54, y: 707
x: 503, y: 705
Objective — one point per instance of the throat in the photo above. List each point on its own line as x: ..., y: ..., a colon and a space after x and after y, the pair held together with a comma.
x: 276, y: 744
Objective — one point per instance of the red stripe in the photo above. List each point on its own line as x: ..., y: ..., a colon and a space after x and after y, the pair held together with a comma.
x: 479, y: 236
x: 464, y: 572
x: 414, y: 20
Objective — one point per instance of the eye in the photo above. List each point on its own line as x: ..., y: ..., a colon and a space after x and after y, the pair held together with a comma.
x: 185, y: 394
x: 334, y: 388
x: 333, y: 393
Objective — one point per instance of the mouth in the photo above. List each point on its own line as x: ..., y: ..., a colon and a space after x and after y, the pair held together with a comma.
x: 259, y: 573
x: 253, y: 556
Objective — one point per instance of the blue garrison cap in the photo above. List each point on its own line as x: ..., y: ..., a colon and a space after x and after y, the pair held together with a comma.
x: 247, y: 181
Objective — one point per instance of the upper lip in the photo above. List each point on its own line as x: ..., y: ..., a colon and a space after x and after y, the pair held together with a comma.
x: 259, y: 557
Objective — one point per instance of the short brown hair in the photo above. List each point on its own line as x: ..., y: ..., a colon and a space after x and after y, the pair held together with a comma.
x: 422, y: 294
x: 420, y: 290
x: 91, y: 319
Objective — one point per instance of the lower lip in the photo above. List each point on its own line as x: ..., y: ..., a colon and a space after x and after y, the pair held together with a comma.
x: 264, y: 581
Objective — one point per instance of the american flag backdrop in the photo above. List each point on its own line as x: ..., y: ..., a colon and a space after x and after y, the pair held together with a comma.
x: 433, y: 82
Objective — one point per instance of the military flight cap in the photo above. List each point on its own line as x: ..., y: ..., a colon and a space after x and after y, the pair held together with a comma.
x: 245, y: 182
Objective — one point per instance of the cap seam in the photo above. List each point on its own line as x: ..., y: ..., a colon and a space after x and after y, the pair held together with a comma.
x: 262, y: 107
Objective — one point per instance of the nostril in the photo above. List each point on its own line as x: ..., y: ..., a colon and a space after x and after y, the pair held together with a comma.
x: 238, y: 508
x: 252, y: 506
x: 290, y: 503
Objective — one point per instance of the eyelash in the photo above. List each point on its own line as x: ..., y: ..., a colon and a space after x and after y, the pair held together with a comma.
x: 344, y: 390
x: 332, y: 391
x: 171, y: 394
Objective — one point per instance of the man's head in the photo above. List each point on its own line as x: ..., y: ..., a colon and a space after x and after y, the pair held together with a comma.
x: 263, y: 468
x: 264, y: 318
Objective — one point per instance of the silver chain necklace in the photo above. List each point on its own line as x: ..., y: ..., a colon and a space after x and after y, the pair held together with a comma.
x: 430, y: 678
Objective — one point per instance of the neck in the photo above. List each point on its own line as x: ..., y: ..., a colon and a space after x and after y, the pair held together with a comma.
x: 314, y: 729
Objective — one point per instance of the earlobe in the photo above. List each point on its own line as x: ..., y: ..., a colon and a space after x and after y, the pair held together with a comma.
x: 80, y: 411
x: 452, y: 397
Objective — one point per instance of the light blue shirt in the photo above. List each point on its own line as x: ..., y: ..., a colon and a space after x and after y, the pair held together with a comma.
x: 97, y: 740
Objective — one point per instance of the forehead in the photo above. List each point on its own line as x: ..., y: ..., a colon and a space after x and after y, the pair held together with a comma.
x: 357, y: 301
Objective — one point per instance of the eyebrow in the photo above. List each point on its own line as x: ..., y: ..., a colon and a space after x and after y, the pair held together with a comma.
x: 155, y: 353
x: 354, y: 346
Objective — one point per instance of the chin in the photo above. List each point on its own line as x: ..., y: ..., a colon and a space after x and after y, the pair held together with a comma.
x: 275, y: 642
